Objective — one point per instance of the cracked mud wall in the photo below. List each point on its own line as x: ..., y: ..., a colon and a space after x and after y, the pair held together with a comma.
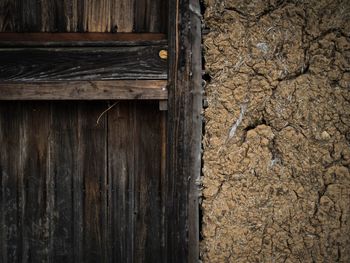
x: 276, y: 185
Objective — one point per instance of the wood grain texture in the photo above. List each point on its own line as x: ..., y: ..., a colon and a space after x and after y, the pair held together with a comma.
x: 148, y: 188
x: 37, y: 188
x: 86, y: 90
x: 97, y: 15
x: 77, y: 186
x: 30, y: 19
x: 63, y: 168
x: 123, y: 13
x: 184, y: 131
x: 51, y: 16
x: 81, y: 39
x: 9, y: 141
x: 40, y: 64
x: 146, y: 16
x: 119, y: 208
x: 82, y: 16
x: 9, y: 16
x: 94, y: 172
x: 73, y: 190
x: 151, y: 16
x: 135, y: 170
x: 195, y: 114
x: 121, y: 168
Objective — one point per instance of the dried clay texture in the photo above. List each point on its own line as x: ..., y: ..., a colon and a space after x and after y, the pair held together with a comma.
x: 276, y: 146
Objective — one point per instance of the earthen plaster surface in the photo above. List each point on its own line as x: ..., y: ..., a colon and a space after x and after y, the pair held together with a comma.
x: 276, y: 180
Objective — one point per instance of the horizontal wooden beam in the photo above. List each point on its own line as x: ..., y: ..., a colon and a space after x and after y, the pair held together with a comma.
x: 82, y: 63
x: 86, y: 90
x: 80, y: 39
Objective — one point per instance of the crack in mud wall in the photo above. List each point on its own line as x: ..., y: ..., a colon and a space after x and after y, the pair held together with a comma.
x: 276, y: 145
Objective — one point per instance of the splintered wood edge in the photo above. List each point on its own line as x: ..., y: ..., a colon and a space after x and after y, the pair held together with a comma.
x: 86, y: 90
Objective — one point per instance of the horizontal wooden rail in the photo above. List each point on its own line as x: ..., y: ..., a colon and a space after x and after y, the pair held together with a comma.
x: 83, y: 66
x: 87, y: 63
x: 80, y: 39
x: 86, y: 90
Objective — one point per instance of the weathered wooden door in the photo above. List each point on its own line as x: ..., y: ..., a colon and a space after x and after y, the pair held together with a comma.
x: 82, y: 136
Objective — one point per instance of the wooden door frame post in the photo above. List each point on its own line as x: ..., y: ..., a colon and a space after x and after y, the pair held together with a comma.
x: 184, y: 131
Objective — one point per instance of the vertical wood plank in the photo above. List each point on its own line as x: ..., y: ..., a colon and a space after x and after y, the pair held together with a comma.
x: 80, y: 7
x: 177, y: 164
x: 10, y: 18
x: 53, y: 16
x: 56, y: 15
x: 97, y: 15
x: 92, y: 166
x: 184, y: 131
x: 121, y: 144
x: 3, y: 183
x: 164, y: 16
x: 9, y: 170
x: 196, y: 120
x: 30, y: 16
x: 140, y: 16
x: 47, y: 16
x: 70, y: 13
x: 136, y: 174
x: 148, y: 14
x: 78, y: 187
x: 163, y: 183
x: 36, y: 188
x: 63, y: 156
x: 22, y: 247
x: 123, y: 13
x: 83, y: 16
x: 148, y: 191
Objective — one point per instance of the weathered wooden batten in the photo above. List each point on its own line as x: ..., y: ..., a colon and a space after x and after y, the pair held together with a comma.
x: 37, y: 66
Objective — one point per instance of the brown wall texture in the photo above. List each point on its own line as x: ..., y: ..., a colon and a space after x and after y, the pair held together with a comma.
x: 276, y: 146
